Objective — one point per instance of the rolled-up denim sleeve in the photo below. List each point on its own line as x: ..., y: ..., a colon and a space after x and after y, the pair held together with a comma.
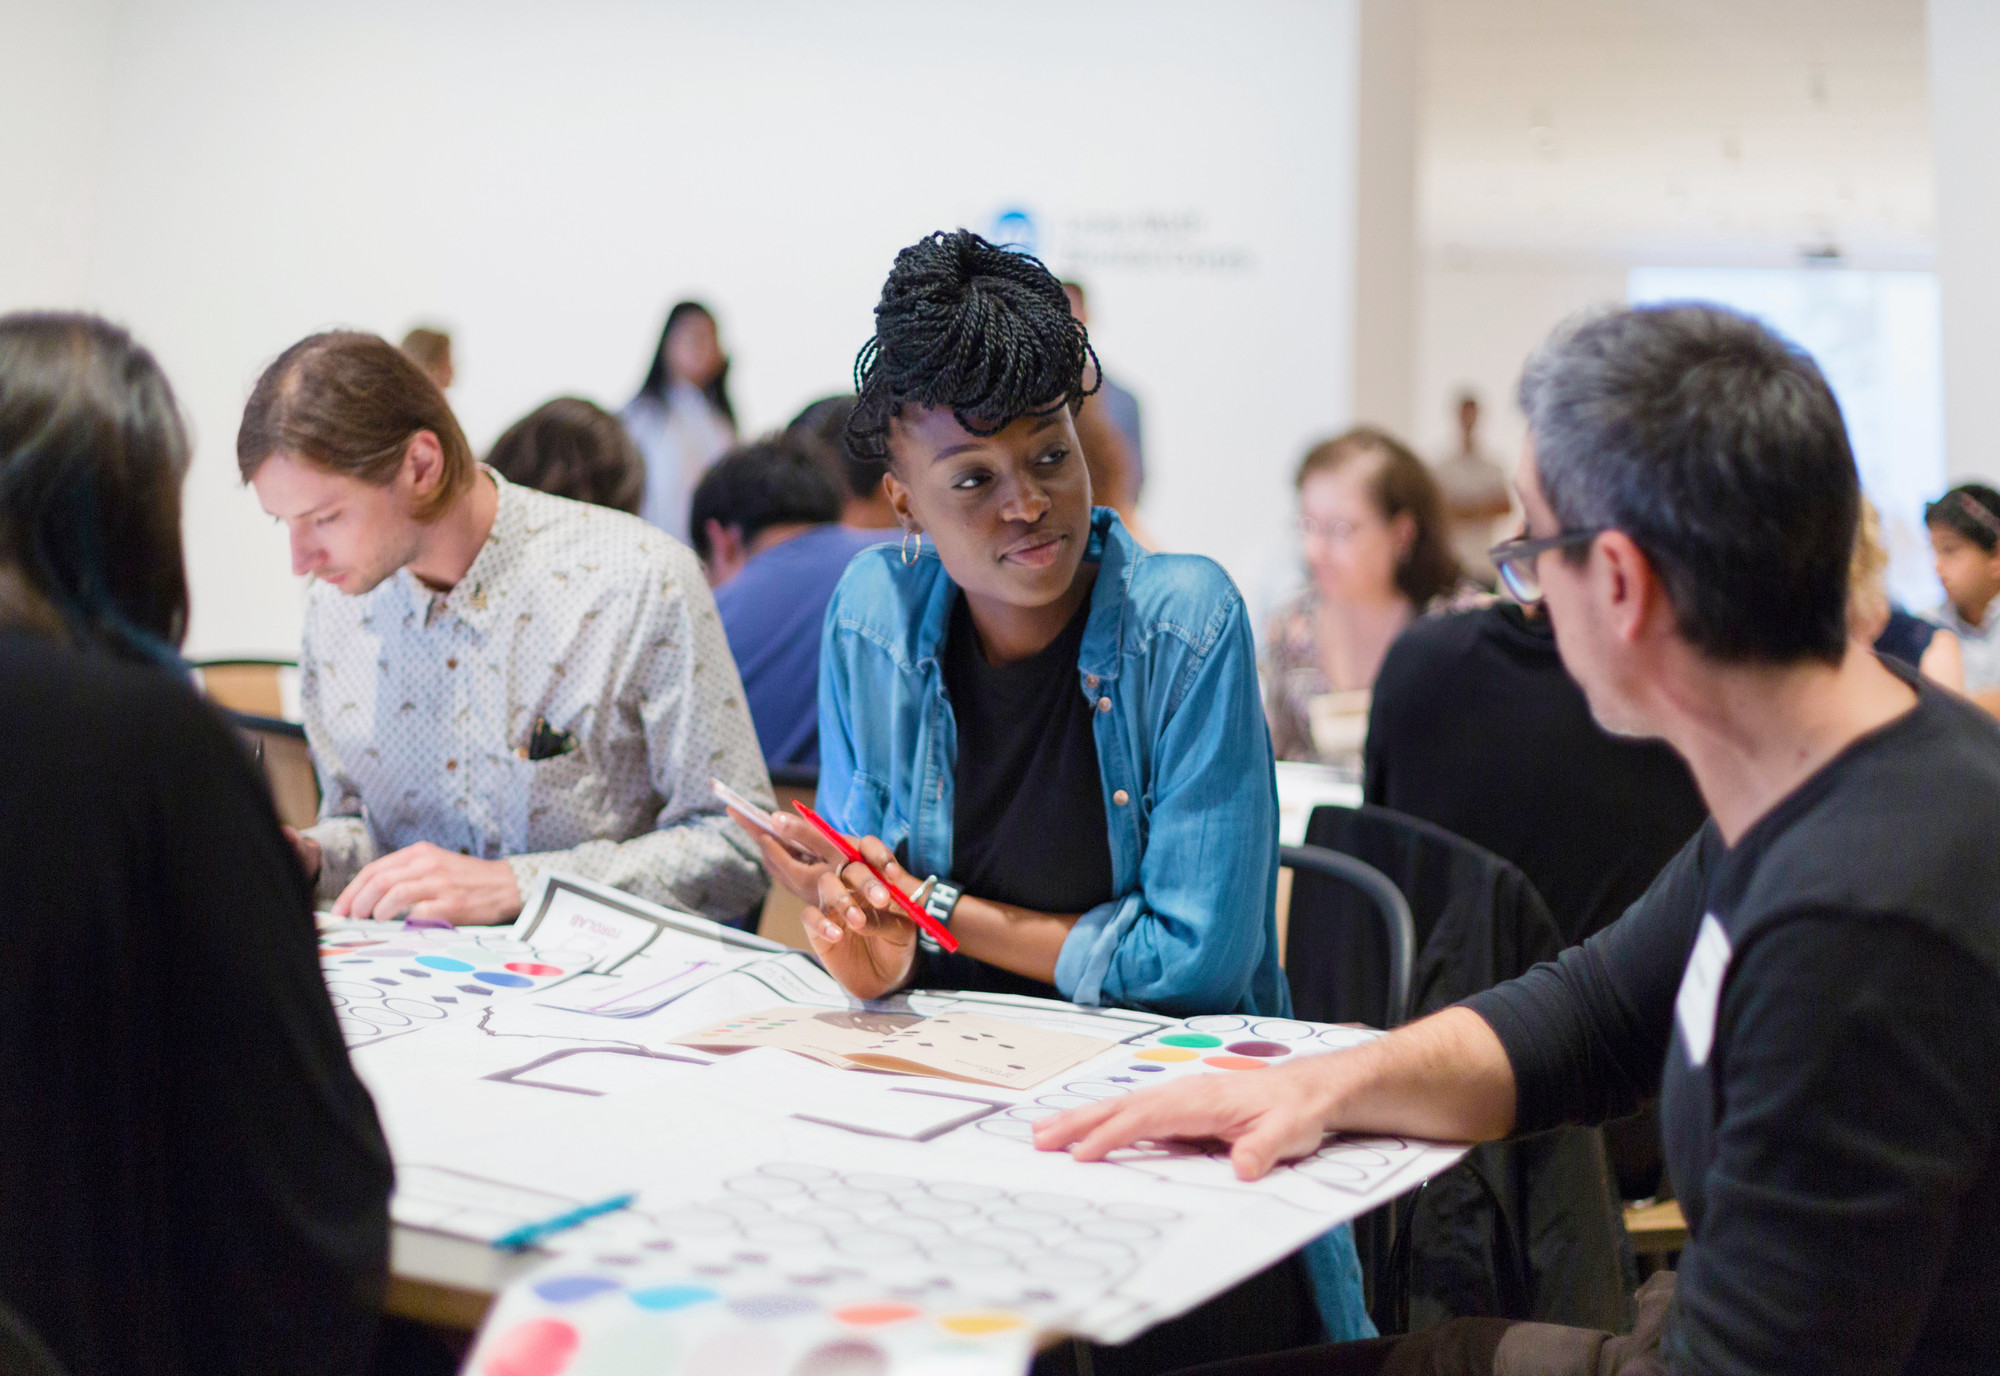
x: 1190, y: 938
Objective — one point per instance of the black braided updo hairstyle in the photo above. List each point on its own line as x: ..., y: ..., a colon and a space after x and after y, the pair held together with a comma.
x: 965, y: 324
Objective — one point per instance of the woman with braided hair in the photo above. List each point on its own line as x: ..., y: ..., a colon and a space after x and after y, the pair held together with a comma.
x: 1062, y: 726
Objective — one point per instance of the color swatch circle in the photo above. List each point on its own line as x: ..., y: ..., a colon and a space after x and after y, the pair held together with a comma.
x: 1234, y: 1062
x: 663, y: 1299
x: 529, y: 967
x: 1165, y: 1053
x: 1266, y: 1049
x: 539, y: 1347
x: 502, y: 978
x: 876, y: 1315
x: 1190, y: 1039
x: 978, y: 1323
x: 570, y: 1289
x: 443, y: 963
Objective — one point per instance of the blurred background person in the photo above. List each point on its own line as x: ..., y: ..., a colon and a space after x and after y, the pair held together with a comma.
x: 1108, y: 458
x: 1965, y: 539
x: 681, y: 418
x: 820, y: 431
x: 430, y: 349
x: 1877, y: 621
x: 1377, y: 555
x: 1120, y: 406
x: 573, y: 448
x: 766, y: 523
x: 1476, y: 500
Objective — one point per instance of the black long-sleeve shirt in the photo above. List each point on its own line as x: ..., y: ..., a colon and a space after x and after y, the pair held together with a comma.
x: 1819, y: 1006
x: 194, y: 1180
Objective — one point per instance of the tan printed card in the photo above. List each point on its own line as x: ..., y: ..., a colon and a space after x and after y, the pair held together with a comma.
x: 974, y: 1047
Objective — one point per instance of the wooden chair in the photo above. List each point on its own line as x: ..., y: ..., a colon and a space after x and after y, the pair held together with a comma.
x: 1658, y: 1233
x: 254, y: 686
x: 280, y: 746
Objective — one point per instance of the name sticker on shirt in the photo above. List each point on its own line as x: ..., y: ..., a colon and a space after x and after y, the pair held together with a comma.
x: 1701, y: 989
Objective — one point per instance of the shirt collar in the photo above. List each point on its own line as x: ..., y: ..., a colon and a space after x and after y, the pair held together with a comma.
x: 475, y: 600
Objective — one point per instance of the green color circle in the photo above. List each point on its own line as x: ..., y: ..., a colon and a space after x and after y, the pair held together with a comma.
x: 1190, y: 1039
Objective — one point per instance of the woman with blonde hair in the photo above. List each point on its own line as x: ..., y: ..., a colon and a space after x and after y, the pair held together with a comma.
x: 1877, y: 622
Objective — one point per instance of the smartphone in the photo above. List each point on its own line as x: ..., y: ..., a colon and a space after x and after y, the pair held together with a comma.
x: 762, y: 820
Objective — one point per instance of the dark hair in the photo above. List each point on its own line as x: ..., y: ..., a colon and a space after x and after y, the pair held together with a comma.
x: 981, y: 330
x: 656, y: 383
x: 821, y: 431
x: 350, y: 403
x: 768, y: 483
x: 1971, y: 510
x: 1719, y: 449
x: 1403, y: 484
x: 92, y: 454
x: 573, y: 448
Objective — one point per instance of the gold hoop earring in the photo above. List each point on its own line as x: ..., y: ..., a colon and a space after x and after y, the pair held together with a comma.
x: 908, y: 557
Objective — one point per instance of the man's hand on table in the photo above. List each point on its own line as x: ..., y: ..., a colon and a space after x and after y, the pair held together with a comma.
x: 851, y: 922
x: 1266, y: 1117
x: 427, y: 881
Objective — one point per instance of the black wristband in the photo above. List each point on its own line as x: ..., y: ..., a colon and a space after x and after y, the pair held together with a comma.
x: 939, y: 904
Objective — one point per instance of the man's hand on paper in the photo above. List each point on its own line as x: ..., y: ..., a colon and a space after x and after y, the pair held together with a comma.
x: 427, y: 881
x: 305, y: 848
x: 852, y: 923
x: 1271, y: 1116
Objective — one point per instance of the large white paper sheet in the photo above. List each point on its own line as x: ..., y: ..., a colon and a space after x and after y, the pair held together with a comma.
x: 802, y: 1212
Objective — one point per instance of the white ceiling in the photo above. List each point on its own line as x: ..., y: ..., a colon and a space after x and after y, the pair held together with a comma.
x: 1676, y: 130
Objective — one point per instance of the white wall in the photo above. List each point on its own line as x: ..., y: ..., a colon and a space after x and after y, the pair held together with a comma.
x: 54, y: 63
x: 1479, y: 316
x: 1965, y: 150
x: 546, y: 179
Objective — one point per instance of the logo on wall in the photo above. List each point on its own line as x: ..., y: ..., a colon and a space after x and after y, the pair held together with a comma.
x: 1015, y: 228
x: 1175, y: 243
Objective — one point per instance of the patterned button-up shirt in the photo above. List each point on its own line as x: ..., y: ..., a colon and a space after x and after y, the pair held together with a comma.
x: 421, y: 708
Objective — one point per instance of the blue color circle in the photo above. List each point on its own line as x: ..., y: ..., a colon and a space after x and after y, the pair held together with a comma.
x: 503, y: 979
x: 443, y: 963
x: 569, y: 1289
x: 664, y: 1297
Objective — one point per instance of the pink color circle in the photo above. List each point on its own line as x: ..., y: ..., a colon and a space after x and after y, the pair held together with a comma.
x: 539, y: 1347
x: 528, y: 967
x: 1233, y: 1062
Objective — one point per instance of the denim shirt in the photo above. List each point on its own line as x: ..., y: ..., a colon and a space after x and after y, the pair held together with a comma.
x: 1190, y: 794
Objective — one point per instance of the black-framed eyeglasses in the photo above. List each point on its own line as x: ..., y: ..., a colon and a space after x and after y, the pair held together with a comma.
x: 1515, y: 559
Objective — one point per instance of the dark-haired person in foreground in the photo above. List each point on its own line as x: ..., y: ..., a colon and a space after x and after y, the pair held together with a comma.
x: 572, y: 448
x: 765, y: 521
x: 195, y: 1181
x: 1813, y: 984
x: 1061, y: 726
x: 494, y: 681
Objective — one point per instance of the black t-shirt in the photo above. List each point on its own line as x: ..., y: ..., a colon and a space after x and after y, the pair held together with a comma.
x: 195, y: 1181
x: 1476, y: 727
x: 1028, y: 824
x: 1819, y: 1008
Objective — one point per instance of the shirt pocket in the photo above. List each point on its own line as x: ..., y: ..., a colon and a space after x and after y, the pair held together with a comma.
x: 551, y: 804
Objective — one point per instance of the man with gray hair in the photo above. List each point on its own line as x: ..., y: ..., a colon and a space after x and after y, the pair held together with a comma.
x: 1812, y: 985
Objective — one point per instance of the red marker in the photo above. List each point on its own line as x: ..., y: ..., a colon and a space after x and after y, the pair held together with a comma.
x: 938, y: 931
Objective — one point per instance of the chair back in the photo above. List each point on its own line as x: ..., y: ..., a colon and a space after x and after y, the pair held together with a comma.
x: 255, y: 686
x: 280, y: 748
x: 1521, y: 1229
x: 1399, y: 934
x: 1477, y: 919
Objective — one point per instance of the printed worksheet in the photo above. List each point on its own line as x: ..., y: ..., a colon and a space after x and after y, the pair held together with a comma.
x: 795, y: 1216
